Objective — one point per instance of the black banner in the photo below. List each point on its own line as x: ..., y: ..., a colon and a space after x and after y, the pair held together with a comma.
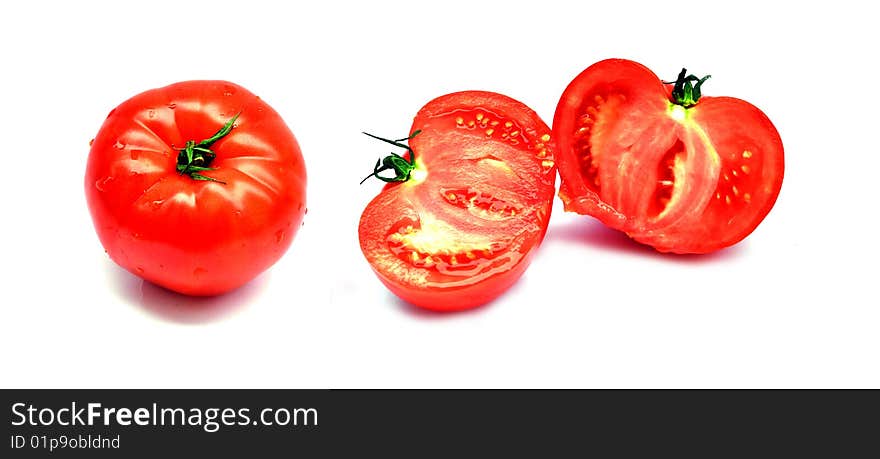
x: 330, y: 423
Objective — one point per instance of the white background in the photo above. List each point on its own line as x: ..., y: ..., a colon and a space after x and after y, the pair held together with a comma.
x: 795, y: 305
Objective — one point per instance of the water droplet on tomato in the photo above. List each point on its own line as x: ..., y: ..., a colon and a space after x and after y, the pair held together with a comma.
x: 119, y: 145
x: 135, y: 154
x: 151, y: 114
x: 172, y: 105
x: 140, y: 271
x: 238, y: 213
x: 279, y: 236
x: 101, y: 184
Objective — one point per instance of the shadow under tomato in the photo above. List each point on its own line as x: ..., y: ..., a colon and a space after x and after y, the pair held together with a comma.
x: 183, y: 309
x: 594, y: 234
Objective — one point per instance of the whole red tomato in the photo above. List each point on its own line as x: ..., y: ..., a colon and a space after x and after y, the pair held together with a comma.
x: 471, y: 205
x: 674, y: 170
x: 198, y: 186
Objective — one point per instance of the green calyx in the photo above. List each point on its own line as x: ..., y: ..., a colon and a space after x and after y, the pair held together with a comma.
x: 401, y: 166
x: 195, y: 158
x: 685, y: 92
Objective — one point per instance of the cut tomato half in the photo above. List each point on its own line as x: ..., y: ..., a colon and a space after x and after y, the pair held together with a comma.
x: 682, y: 174
x: 464, y: 227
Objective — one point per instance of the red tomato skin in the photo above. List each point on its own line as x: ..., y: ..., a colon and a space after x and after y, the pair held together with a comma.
x: 195, y: 237
x: 439, y: 298
x: 442, y: 148
x: 732, y: 154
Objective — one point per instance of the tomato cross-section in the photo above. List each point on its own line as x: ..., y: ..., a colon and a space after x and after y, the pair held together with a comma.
x: 464, y: 227
x: 678, y: 172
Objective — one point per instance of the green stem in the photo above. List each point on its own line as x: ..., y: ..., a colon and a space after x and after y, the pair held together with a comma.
x: 401, y: 166
x: 684, y: 91
x: 195, y: 158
